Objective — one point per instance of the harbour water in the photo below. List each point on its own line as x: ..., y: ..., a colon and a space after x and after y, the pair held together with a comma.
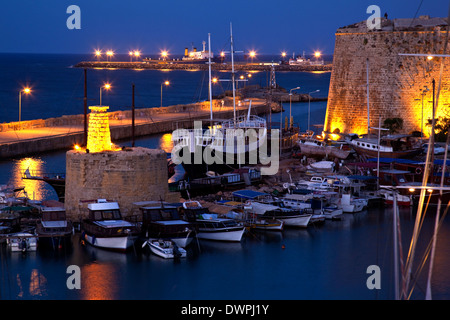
x: 320, y: 262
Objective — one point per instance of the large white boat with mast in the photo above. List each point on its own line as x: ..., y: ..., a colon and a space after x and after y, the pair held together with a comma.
x: 230, y: 143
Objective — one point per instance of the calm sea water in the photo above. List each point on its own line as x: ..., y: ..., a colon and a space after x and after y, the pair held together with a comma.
x: 323, y: 262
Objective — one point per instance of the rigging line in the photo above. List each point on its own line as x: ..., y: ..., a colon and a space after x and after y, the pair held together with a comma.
x: 428, y: 249
x: 415, y: 15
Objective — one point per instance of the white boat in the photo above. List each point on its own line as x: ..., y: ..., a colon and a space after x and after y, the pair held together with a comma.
x: 351, y: 205
x: 209, y: 227
x: 166, y: 249
x: 290, y: 217
x: 22, y: 242
x: 106, y: 229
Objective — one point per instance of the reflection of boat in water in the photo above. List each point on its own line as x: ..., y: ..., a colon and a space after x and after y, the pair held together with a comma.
x: 166, y: 249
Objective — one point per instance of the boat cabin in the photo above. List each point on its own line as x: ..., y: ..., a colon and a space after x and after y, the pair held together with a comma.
x: 163, y: 219
x: 104, y: 211
x: 394, y: 177
x: 54, y: 219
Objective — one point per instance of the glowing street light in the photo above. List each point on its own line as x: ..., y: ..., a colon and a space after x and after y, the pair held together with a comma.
x: 131, y: 53
x: 164, y: 54
x: 166, y: 83
x: 109, y: 54
x: 98, y: 54
x: 25, y: 90
x: 106, y: 86
x: 317, y: 54
x: 252, y: 54
x: 137, y: 53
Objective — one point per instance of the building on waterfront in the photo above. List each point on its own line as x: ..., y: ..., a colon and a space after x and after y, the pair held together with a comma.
x: 398, y: 84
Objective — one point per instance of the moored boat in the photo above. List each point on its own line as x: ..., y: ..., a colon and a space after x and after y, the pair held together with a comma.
x: 22, y: 242
x: 105, y: 228
x: 166, y: 249
x: 53, y: 229
x: 209, y: 227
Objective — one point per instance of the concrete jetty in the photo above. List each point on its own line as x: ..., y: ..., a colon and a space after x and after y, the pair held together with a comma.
x: 41, y: 135
x: 173, y: 65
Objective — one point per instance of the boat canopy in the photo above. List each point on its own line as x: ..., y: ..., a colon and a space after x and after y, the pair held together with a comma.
x: 248, y: 194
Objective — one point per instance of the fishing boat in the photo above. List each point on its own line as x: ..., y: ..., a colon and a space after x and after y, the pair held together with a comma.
x: 166, y: 249
x: 105, y: 227
x: 390, y: 146
x: 310, y: 146
x: 53, y: 229
x: 350, y: 204
x: 162, y: 221
x: 209, y: 226
x: 290, y: 217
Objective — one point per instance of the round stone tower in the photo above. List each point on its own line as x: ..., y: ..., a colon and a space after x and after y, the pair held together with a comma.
x: 125, y: 175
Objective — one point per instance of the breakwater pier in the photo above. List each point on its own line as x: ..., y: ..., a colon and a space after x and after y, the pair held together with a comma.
x: 173, y: 65
x: 41, y: 135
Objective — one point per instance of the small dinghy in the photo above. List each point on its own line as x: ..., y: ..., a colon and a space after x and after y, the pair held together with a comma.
x: 166, y: 249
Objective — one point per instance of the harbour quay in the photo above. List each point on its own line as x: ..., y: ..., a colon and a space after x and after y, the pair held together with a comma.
x: 174, y: 65
x: 42, y: 135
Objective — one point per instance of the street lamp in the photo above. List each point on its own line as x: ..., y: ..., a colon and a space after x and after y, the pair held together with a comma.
x: 25, y: 90
x: 109, y: 54
x: 131, y: 53
x: 107, y: 86
x: 137, y: 54
x: 309, y: 104
x: 164, y: 54
x: 252, y: 55
x: 98, y: 54
x: 162, y: 84
x: 290, y: 105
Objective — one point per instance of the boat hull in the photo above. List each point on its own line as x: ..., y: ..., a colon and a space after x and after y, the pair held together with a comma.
x: 230, y: 235
x: 166, y: 253
x: 394, y: 154
x: 122, y: 243
x: 301, y: 221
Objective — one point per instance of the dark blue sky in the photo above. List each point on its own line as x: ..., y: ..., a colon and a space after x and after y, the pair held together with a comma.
x: 267, y: 26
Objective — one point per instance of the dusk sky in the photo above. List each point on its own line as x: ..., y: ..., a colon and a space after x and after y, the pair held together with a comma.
x: 267, y: 26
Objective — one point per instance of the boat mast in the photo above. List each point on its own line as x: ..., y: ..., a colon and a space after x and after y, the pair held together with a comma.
x: 233, y: 75
x: 368, y: 106
x: 210, y: 86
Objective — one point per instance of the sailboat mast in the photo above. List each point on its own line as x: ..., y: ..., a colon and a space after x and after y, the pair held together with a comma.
x: 368, y: 106
x: 233, y: 75
x: 210, y: 86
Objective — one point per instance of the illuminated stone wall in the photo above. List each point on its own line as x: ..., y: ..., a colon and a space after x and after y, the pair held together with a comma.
x: 396, y: 82
x: 126, y: 176
x: 99, y: 135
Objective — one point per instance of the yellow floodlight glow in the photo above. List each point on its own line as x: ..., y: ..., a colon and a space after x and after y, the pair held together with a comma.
x: 137, y: 53
x: 98, y: 53
x: 26, y: 90
x: 411, y: 189
x: 283, y: 54
x: 76, y: 147
x: 317, y: 54
x: 252, y: 54
x: 166, y: 83
x: 107, y: 86
x: 222, y: 54
x: 214, y: 80
x: 430, y: 57
x: 164, y: 53
x: 110, y: 53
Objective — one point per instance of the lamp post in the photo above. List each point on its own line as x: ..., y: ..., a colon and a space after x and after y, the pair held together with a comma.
x: 290, y: 105
x: 309, y: 104
x: 131, y: 55
x: 162, y: 84
x: 26, y: 91
x: 107, y: 86
x: 98, y: 54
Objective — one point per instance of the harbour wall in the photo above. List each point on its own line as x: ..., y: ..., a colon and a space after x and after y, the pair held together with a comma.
x: 168, y: 65
x: 148, y: 121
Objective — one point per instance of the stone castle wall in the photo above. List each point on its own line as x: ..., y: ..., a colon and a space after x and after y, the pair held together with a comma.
x: 395, y: 82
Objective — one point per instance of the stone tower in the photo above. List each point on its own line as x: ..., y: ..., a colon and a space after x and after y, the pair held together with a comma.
x: 396, y: 82
x: 105, y: 171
